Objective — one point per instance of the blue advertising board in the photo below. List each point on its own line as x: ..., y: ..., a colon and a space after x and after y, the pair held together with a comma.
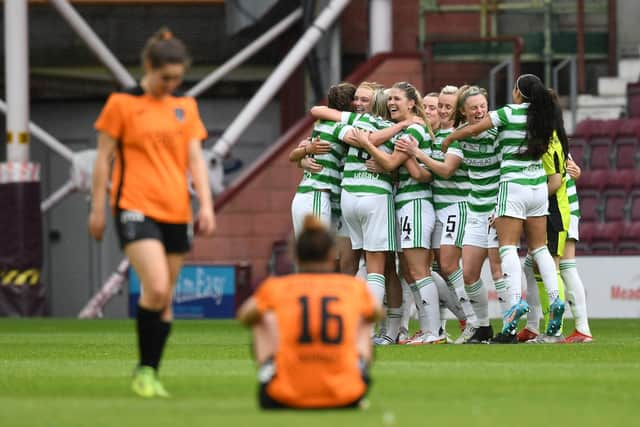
x: 202, y: 291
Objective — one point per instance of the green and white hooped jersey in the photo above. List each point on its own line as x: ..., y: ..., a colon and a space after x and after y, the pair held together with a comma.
x: 408, y: 188
x: 329, y: 177
x: 456, y: 188
x: 572, y: 194
x: 482, y: 158
x: 511, y: 121
x: 356, y: 178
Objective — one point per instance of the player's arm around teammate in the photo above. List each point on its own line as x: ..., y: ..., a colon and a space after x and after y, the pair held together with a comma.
x: 525, y: 131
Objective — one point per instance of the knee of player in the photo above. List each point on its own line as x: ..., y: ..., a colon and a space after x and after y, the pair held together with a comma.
x: 158, y: 293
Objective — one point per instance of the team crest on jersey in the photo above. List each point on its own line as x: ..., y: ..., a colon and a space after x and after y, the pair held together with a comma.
x: 179, y: 114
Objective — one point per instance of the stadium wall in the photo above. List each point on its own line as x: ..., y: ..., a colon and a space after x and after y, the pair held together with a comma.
x: 612, y: 291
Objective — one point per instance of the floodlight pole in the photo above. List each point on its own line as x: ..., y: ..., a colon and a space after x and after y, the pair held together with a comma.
x: 269, y: 88
x: 16, y: 45
x: 245, y: 53
x: 84, y: 31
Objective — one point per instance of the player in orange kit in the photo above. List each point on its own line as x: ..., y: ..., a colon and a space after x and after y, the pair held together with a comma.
x: 312, y: 330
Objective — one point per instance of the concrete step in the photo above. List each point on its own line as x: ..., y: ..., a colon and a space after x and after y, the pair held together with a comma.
x: 629, y: 69
x: 601, y: 101
x: 612, y: 86
x: 599, y: 113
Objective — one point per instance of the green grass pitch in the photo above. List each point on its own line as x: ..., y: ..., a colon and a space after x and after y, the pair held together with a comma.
x: 71, y: 373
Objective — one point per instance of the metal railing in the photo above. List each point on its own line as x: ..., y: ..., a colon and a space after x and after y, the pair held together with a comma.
x: 493, y: 73
x: 573, y: 85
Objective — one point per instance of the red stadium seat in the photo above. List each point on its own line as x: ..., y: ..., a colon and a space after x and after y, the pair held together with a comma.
x: 626, y: 153
x: 589, y: 205
x: 605, y: 237
x: 593, y: 180
x: 579, y: 151
x: 634, y: 206
x: 584, y: 129
x: 599, y: 154
x: 630, y: 128
x: 630, y: 240
x: 615, y: 205
x: 619, y: 179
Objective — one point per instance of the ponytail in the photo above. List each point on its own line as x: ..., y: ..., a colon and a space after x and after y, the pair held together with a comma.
x: 541, y: 119
x: 164, y: 48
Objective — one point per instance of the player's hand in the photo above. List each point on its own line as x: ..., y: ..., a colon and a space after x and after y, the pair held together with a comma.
x: 317, y: 146
x: 96, y: 224
x: 206, y: 222
x: 445, y: 144
x: 358, y: 137
x: 407, y: 144
x: 573, y: 169
x: 418, y: 120
x: 310, y: 165
x: 373, y: 166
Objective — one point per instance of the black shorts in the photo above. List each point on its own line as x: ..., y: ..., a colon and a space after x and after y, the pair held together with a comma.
x: 268, y: 402
x: 133, y: 225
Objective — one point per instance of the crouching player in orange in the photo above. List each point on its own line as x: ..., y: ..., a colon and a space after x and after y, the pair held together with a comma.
x: 311, y: 330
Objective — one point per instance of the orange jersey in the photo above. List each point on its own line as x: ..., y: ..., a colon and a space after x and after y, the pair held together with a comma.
x: 318, y: 316
x: 152, y: 157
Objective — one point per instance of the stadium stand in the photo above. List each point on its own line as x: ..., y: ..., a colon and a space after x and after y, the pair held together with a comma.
x: 609, y: 188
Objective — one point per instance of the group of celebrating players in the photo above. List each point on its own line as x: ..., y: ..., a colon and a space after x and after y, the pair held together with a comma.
x: 423, y: 190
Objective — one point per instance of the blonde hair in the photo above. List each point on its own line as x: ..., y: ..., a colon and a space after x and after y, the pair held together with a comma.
x: 379, y: 105
x: 463, y: 95
x: 449, y: 90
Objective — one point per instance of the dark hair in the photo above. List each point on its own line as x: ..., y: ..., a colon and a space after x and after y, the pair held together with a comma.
x: 163, y: 48
x: 315, y: 242
x: 540, y: 115
x: 559, y: 123
x: 340, y: 96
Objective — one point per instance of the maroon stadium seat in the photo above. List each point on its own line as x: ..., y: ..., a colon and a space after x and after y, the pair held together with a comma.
x: 630, y: 240
x: 579, y: 151
x: 615, y: 205
x: 633, y: 99
x: 584, y: 129
x: 630, y: 128
x: 618, y: 179
x: 593, y: 180
x: 599, y: 155
x: 589, y: 205
x: 634, y: 206
x: 605, y: 237
x: 626, y: 153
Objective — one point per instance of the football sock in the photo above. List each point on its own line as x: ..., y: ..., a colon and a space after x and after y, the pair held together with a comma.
x: 394, y: 315
x: 430, y: 316
x: 164, y: 330
x: 533, y: 296
x: 575, y: 294
x: 448, y: 298
x: 407, y: 302
x: 375, y: 282
x: 512, y: 272
x: 148, y: 328
x: 503, y: 295
x: 457, y: 283
x: 547, y: 269
x: 479, y: 300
